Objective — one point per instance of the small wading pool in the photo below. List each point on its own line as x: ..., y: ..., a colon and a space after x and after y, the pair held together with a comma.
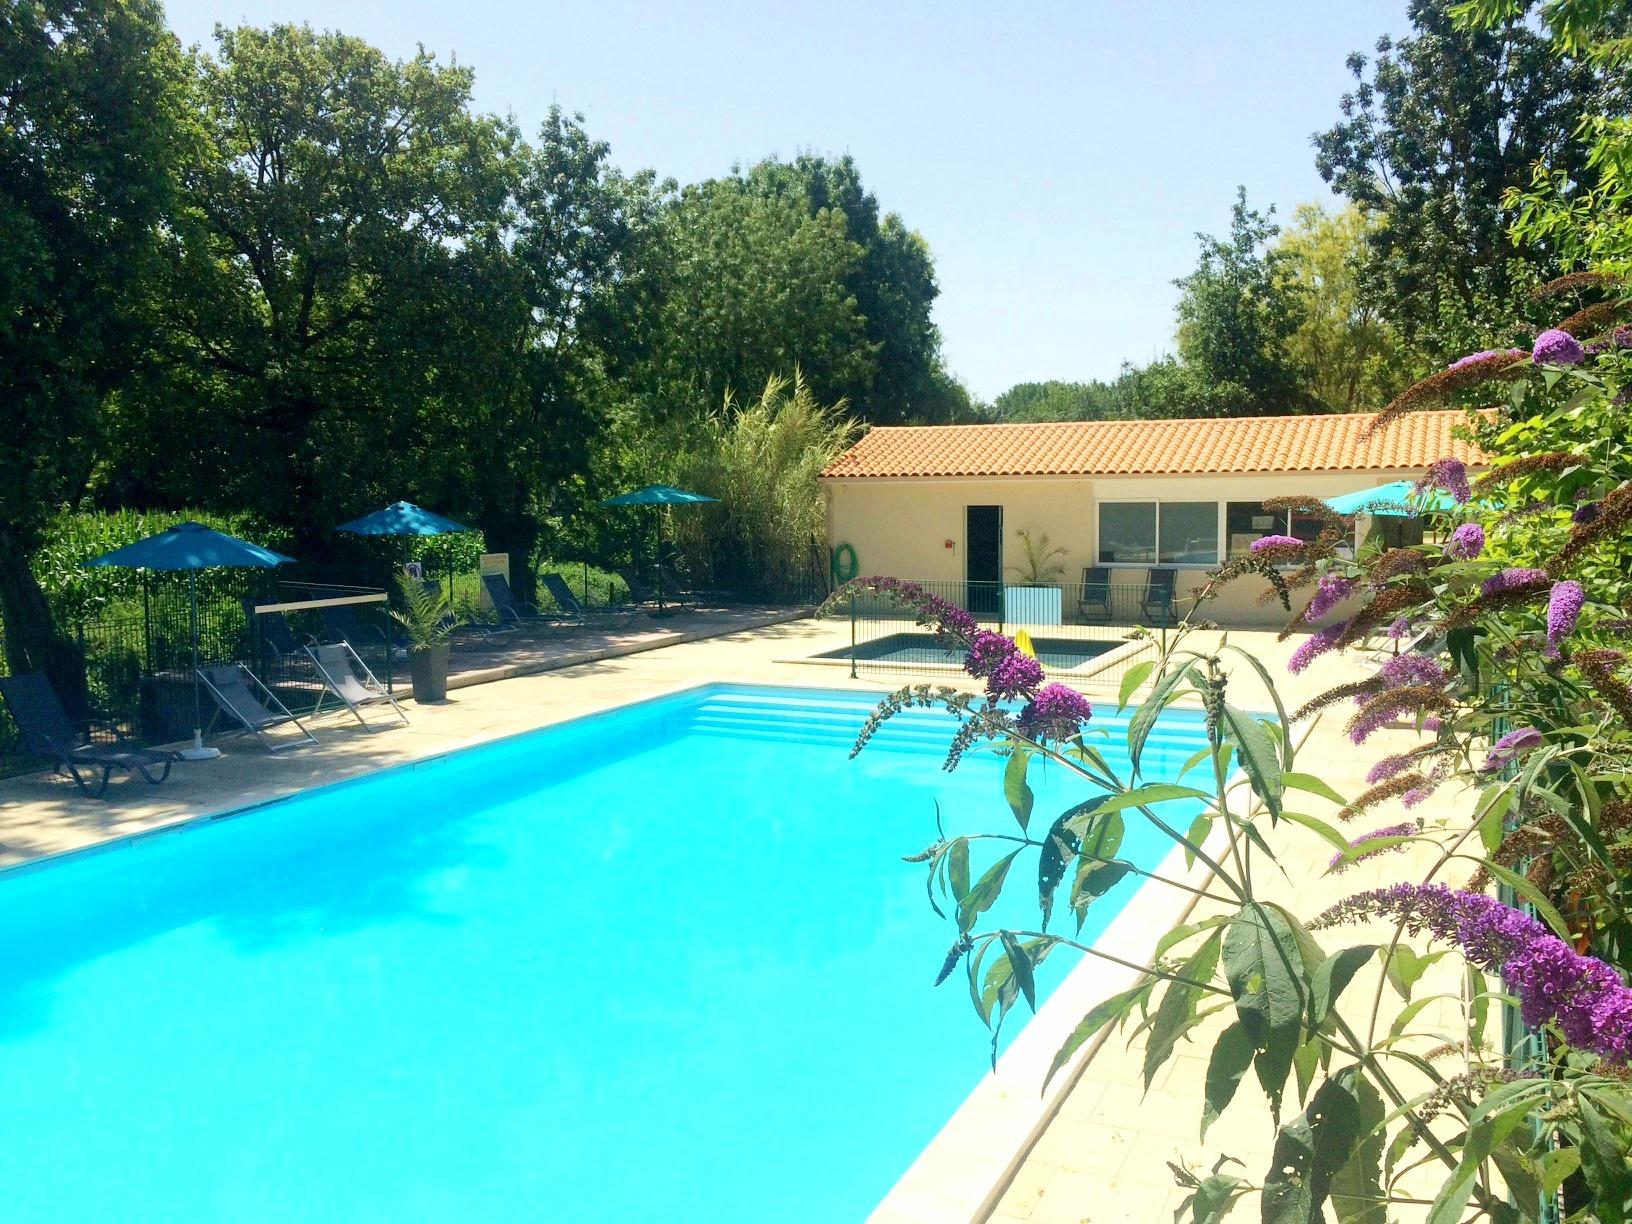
x: 663, y: 963
x: 1057, y: 654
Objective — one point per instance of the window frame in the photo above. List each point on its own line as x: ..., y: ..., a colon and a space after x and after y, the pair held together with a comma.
x: 1156, y: 542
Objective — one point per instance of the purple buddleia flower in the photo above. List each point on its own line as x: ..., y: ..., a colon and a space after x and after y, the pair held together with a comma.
x: 1386, y: 768
x: 1404, y: 669
x: 1432, y: 724
x: 1509, y: 746
x: 1466, y: 542
x: 1276, y: 546
x: 1556, y: 347
x: 1448, y: 474
x: 1341, y: 862
x: 1316, y: 644
x: 1482, y: 354
x: 1056, y: 712
x: 1564, y: 605
x: 1416, y: 795
x: 1554, y: 983
x: 1511, y: 579
x: 1586, y: 512
x: 986, y: 651
x: 1378, y: 715
x: 1332, y: 591
x: 947, y: 617
x: 1014, y: 676
x: 1400, y: 629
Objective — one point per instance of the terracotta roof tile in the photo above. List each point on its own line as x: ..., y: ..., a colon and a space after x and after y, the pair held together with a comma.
x: 1156, y: 448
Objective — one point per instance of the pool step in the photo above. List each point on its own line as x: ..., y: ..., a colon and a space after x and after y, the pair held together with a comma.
x: 803, y: 717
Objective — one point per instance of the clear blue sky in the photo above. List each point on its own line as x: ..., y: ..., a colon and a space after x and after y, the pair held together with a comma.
x: 1058, y: 157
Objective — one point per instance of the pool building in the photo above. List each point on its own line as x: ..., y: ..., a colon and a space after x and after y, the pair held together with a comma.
x: 945, y: 503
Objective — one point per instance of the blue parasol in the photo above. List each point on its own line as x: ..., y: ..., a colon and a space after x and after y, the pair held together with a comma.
x: 1398, y: 499
x: 191, y: 547
x: 659, y: 495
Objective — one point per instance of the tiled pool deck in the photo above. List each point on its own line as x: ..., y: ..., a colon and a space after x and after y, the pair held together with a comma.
x: 1101, y: 1155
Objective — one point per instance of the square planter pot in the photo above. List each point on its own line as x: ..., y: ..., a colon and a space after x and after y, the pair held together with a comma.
x: 429, y: 669
x: 1032, y: 605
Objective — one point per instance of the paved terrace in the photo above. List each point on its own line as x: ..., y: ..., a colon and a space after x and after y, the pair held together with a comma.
x: 1099, y: 1152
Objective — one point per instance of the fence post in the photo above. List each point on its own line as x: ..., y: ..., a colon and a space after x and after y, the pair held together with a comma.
x: 853, y: 637
x: 585, y: 564
x: 147, y: 625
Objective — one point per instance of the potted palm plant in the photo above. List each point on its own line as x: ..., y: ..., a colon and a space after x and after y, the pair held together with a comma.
x: 1035, y: 598
x: 428, y: 619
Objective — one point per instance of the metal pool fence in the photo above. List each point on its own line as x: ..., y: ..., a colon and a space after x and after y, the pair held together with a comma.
x: 138, y: 662
x: 1085, y: 633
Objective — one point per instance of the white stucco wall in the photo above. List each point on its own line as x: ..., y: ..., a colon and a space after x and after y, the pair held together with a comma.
x: 903, y: 526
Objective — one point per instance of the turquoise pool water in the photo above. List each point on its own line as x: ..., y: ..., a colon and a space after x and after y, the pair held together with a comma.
x: 662, y: 964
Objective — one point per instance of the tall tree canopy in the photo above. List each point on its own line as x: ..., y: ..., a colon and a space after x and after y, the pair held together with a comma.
x: 1237, y: 312
x: 1355, y: 359
x: 89, y: 132
x: 536, y: 331
x: 1439, y: 127
x: 791, y: 264
x: 332, y: 193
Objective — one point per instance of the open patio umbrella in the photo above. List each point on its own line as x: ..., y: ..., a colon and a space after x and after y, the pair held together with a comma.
x: 191, y: 547
x: 659, y: 495
x: 403, y: 519
x: 1398, y: 499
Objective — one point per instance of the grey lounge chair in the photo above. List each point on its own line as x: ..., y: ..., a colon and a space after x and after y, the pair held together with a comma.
x: 1157, y: 602
x: 347, y: 678
x: 638, y: 590
x: 275, y: 632
x: 680, y: 592
x: 511, y: 611
x: 47, y: 731
x: 255, y: 713
x: 570, y: 605
x: 1095, y: 600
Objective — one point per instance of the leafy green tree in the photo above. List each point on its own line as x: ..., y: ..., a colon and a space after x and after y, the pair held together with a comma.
x: 537, y: 331
x: 1054, y: 401
x: 332, y: 193
x: 1439, y: 126
x: 893, y: 283
x: 89, y: 132
x: 1237, y: 313
x: 1355, y: 360
x: 752, y: 284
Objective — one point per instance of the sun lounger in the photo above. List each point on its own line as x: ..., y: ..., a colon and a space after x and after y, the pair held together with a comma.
x: 510, y: 610
x: 638, y: 590
x: 347, y: 678
x: 256, y: 710
x: 567, y: 604
x: 46, y: 731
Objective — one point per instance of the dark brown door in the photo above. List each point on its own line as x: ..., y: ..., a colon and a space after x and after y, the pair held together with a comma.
x: 983, y: 559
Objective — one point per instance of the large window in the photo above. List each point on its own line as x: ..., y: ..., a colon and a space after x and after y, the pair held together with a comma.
x: 1168, y: 533
x: 1127, y: 533
x: 1189, y: 533
x: 1245, y: 522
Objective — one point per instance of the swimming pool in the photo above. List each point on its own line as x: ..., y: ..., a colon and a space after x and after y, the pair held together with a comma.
x: 1056, y: 654
x: 660, y: 964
